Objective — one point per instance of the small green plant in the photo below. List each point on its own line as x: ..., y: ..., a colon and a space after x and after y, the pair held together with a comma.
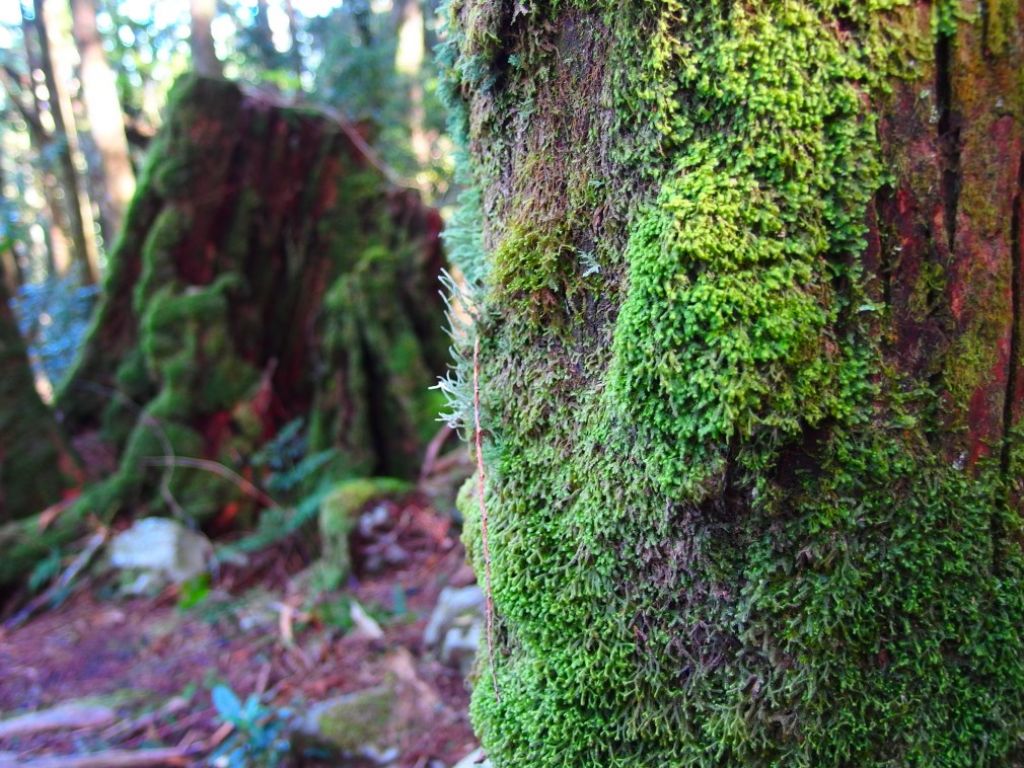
x: 287, y: 459
x: 258, y: 740
x: 44, y: 571
x: 194, y: 591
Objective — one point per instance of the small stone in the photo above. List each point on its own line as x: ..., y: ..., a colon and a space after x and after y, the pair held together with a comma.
x: 373, y: 519
x: 460, y: 646
x: 162, y: 549
x: 355, y: 722
x: 474, y: 759
x: 339, y: 516
x: 365, y: 624
x: 369, y: 724
x: 452, y: 603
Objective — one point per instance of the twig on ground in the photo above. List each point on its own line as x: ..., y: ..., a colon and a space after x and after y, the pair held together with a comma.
x: 96, y: 541
x: 170, y: 756
x: 129, y: 727
x: 52, y: 512
x: 216, y: 468
x: 62, y: 717
x: 433, y: 449
x: 218, y: 736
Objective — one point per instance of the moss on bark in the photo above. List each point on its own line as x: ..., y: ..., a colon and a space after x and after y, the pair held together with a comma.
x: 749, y: 379
x: 36, y: 465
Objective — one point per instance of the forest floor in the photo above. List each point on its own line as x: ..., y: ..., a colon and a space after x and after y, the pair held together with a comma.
x: 153, y: 662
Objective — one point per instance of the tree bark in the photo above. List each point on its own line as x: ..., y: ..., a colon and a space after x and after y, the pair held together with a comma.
x: 204, y: 56
x: 83, y: 233
x: 267, y: 273
x: 746, y: 376
x: 36, y: 466
x: 106, y: 120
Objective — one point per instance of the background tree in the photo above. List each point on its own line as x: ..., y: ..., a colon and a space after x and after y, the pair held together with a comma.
x: 409, y: 57
x: 267, y: 273
x: 204, y: 57
x: 746, y: 371
x: 106, y: 121
x: 35, y: 463
x: 79, y: 206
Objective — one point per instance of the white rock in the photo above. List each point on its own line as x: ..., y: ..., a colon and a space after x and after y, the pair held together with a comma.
x: 365, y: 624
x: 474, y: 759
x: 451, y: 604
x: 460, y: 646
x: 163, y: 546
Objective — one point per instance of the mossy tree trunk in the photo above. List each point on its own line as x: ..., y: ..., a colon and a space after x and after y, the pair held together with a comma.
x: 36, y: 466
x: 747, y: 287
x: 266, y: 273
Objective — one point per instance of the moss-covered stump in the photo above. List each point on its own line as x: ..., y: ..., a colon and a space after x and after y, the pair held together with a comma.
x: 747, y: 281
x: 267, y: 272
x: 339, y: 515
x: 36, y: 466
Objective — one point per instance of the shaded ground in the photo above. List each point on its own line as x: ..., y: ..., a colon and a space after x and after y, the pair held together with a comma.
x: 258, y: 631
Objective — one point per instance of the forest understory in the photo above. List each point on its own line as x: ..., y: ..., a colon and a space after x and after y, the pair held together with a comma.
x: 133, y: 676
x: 227, y: 524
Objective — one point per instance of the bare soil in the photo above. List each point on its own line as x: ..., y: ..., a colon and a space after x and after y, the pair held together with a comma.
x: 257, y: 630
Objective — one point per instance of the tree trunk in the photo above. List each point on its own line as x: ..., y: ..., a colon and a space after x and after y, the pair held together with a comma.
x: 58, y: 250
x: 10, y: 270
x: 204, y: 57
x: 263, y: 36
x: 35, y: 463
x: 295, y: 49
x: 266, y: 273
x: 83, y: 233
x: 747, y: 288
x: 106, y: 121
x: 409, y: 55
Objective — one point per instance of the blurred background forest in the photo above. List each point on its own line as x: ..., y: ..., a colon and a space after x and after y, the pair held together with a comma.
x: 84, y: 89
x: 227, y: 522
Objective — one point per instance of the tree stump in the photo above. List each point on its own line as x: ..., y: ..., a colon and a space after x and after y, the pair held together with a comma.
x: 267, y: 272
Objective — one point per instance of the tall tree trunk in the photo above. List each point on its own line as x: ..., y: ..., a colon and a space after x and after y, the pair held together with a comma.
x: 35, y: 463
x: 746, y: 373
x: 83, y: 233
x: 106, y: 120
x: 264, y: 35
x: 10, y: 269
x: 295, y: 51
x: 58, y: 249
x: 204, y: 56
x: 409, y: 57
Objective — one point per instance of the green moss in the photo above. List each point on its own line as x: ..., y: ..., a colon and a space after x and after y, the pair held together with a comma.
x: 1002, y: 25
x: 354, y: 722
x: 339, y: 512
x: 36, y: 466
x: 718, y: 533
x: 374, y: 345
x: 530, y: 267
